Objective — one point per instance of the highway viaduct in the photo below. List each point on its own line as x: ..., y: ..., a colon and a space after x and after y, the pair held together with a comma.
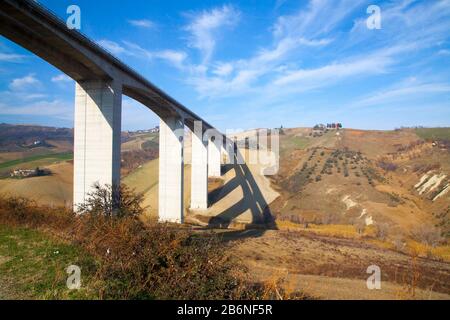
x: 101, y: 80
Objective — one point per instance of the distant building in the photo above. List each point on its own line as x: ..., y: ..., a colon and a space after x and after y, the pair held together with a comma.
x: 28, y: 173
x: 334, y: 126
x: 154, y: 130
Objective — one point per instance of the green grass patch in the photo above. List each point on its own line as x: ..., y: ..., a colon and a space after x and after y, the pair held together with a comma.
x: 433, y: 133
x: 51, y: 157
x: 291, y: 143
x: 33, y: 266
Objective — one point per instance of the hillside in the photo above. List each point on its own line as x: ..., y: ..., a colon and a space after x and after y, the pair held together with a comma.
x: 28, y: 147
x: 354, y: 198
x: 395, y: 178
x: 369, y: 177
x: 342, y: 200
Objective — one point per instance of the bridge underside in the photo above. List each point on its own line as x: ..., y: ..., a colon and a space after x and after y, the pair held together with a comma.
x: 101, y: 80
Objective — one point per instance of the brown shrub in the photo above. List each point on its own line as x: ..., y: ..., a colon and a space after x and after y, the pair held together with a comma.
x: 159, y: 261
x: 382, y: 230
x: 139, y: 261
x: 427, y: 234
x: 19, y: 211
x: 109, y: 201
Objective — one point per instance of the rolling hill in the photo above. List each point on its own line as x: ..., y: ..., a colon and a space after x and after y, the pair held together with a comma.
x: 341, y: 200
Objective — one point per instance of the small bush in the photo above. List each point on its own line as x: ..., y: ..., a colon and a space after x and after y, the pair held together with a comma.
x: 159, y: 261
x: 381, y: 230
x: 136, y: 260
x: 427, y: 234
x: 387, y: 166
x: 360, y: 226
x: 109, y: 201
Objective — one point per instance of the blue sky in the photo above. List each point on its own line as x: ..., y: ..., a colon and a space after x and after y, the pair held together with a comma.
x: 248, y: 64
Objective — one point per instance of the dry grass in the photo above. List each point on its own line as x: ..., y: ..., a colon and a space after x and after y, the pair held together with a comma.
x: 330, y: 230
x: 440, y: 252
x: 412, y: 247
x: 142, y: 261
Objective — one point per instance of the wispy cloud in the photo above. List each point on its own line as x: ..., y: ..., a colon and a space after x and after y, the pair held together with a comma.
x: 24, y: 83
x: 205, y: 26
x: 424, y: 23
x: 173, y: 57
x: 56, y: 108
x: 337, y: 71
x: 317, y: 19
x: 11, y: 57
x: 291, y: 35
x: 142, y: 23
x: 274, y: 70
x: 409, y: 90
x: 61, y: 78
x: 282, y: 66
x: 111, y: 46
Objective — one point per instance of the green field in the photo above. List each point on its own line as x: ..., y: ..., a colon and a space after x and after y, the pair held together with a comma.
x: 290, y: 143
x: 33, y: 266
x: 51, y: 157
x: 433, y: 133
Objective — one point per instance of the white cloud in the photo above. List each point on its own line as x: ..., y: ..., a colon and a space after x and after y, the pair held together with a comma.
x: 176, y: 58
x: 142, y: 23
x: 11, y: 57
x: 323, y: 75
x: 111, y: 46
x: 423, y: 23
x: 409, y: 90
x: 319, y: 17
x: 232, y: 78
x: 223, y: 69
x: 314, y: 43
x: 26, y: 82
x: 173, y: 57
x: 61, y: 78
x: 204, y: 27
x: 56, y: 108
x: 32, y: 96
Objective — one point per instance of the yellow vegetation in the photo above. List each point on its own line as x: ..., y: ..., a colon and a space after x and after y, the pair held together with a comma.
x: 423, y: 250
x: 332, y: 230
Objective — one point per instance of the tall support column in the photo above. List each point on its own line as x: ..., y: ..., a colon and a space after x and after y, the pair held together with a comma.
x: 97, y: 123
x: 171, y: 170
x: 223, y: 154
x: 199, y: 169
x: 98, y: 108
x: 214, y: 161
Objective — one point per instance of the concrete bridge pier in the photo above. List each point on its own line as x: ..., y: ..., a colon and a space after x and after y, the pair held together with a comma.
x: 199, y: 169
x: 171, y: 169
x: 97, y: 123
x: 214, y: 155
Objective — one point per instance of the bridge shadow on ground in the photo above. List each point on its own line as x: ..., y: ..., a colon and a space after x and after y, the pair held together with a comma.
x: 252, y: 201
